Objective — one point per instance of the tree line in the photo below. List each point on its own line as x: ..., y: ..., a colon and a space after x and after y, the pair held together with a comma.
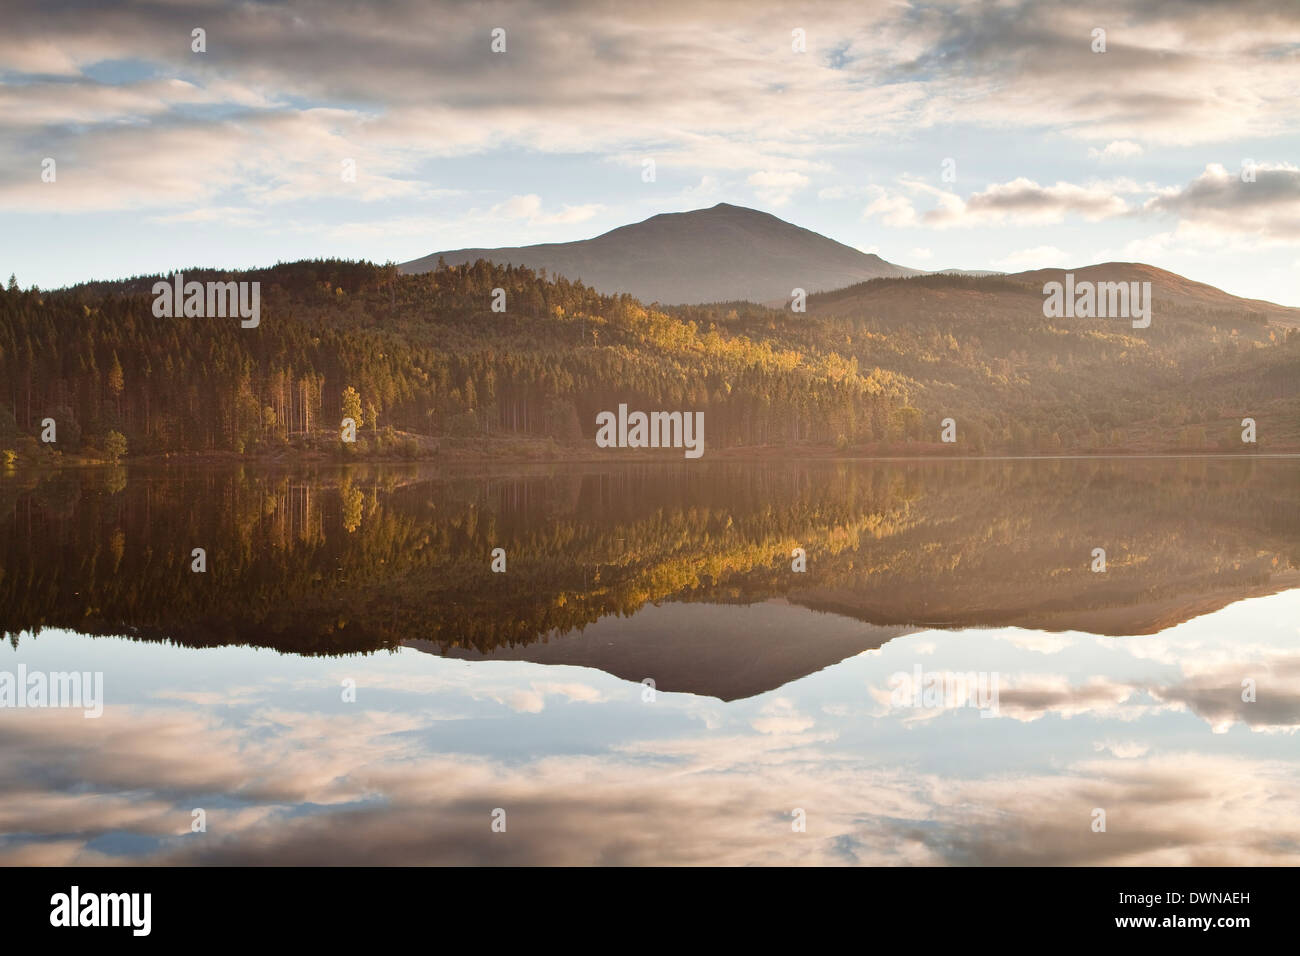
x: 426, y: 354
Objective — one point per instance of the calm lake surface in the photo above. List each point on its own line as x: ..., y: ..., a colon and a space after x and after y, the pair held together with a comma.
x: 349, y: 681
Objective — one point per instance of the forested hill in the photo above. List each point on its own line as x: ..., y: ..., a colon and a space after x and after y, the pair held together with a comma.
x: 876, y: 367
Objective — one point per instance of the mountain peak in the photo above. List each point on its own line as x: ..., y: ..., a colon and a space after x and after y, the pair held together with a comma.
x: 727, y: 207
x: 717, y: 254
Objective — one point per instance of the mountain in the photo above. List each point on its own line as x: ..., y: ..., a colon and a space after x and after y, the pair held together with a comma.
x: 977, y: 273
x: 1167, y: 287
x: 730, y: 651
x: 722, y: 254
x: 1022, y: 293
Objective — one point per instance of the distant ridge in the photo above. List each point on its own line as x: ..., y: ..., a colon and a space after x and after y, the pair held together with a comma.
x: 1001, y: 293
x: 977, y: 273
x: 720, y: 254
x: 1167, y: 286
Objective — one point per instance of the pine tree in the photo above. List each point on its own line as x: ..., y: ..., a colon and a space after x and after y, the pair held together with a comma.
x: 352, y: 405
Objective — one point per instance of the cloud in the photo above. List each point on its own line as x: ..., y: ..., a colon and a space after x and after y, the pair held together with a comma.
x: 1124, y: 749
x: 1171, y: 73
x: 518, y: 207
x: 289, y: 90
x: 1211, y: 688
x: 1215, y: 694
x: 366, y: 787
x: 527, y: 212
x: 1018, y: 202
x: 776, y: 187
x: 707, y: 186
x: 891, y: 209
x: 579, y: 213
x: 1116, y: 151
x: 532, y: 699
x: 781, y: 716
x: 699, y: 782
x: 529, y: 208
x: 1024, y: 201
x: 1220, y: 201
x: 844, y: 192
x: 1041, y: 642
x: 1031, y: 697
x: 263, y: 159
x: 1215, y: 204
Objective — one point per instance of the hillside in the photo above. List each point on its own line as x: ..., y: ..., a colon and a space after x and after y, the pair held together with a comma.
x: 719, y: 254
x: 870, y: 369
x: 974, y: 348
x: 1171, y: 289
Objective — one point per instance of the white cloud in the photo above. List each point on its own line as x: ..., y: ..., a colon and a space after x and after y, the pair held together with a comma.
x: 781, y: 716
x: 776, y: 187
x: 518, y: 207
x: 892, y: 210
x: 529, y: 208
x: 1116, y: 151
x: 1018, y: 202
x: 1024, y: 202
x: 1221, y: 200
x: 1123, y: 749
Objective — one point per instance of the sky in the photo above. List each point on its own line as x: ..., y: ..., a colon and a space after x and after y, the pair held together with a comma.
x: 948, y: 134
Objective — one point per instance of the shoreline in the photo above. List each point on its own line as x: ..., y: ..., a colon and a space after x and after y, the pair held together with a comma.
x: 569, y: 455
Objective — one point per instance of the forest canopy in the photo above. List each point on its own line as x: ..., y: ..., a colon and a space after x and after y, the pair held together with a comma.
x: 425, y: 354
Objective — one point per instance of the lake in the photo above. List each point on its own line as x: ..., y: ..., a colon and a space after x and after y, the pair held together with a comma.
x: 1077, y: 661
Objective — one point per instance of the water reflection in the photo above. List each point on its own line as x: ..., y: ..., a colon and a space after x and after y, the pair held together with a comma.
x: 773, y: 688
x: 346, y: 561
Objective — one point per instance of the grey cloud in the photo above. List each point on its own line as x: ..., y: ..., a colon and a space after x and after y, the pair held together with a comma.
x: 1216, y: 696
x: 1219, y: 198
x: 1025, y: 199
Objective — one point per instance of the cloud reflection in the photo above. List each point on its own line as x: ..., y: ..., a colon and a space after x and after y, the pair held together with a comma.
x: 691, y: 782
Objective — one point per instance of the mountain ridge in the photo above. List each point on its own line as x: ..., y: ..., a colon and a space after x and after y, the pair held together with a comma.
x: 730, y: 253
x: 1172, y: 287
x: 1168, y: 289
x: 720, y: 254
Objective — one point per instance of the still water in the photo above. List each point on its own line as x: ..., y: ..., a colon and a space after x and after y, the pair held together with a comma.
x: 650, y: 680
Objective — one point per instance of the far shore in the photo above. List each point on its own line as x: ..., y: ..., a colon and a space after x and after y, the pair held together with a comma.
x: 471, y: 451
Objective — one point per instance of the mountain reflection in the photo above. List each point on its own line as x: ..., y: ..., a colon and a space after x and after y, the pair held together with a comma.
x: 522, y: 691
x: 337, y: 561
